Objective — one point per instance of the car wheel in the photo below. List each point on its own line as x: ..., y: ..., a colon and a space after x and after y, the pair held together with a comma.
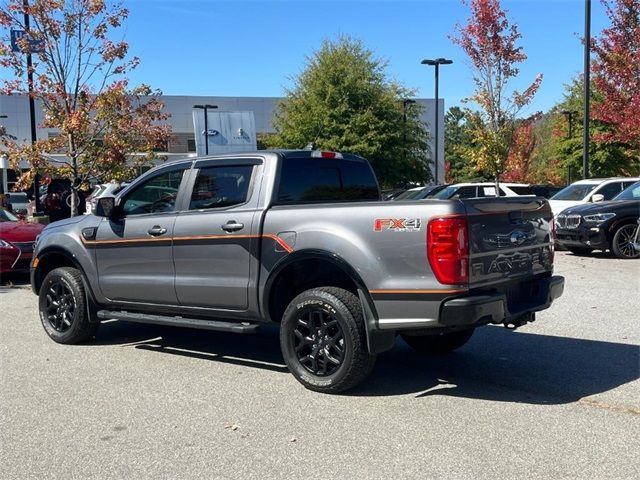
x: 323, y: 340
x: 622, y: 244
x: 579, y: 250
x: 63, y: 307
x: 439, y: 344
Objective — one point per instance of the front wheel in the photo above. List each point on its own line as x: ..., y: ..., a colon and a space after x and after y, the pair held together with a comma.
x: 63, y: 307
x: 323, y: 340
x: 439, y: 344
x: 623, y: 245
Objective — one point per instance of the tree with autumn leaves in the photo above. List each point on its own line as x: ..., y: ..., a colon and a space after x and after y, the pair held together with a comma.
x: 490, y: 42
x: 105, y: 127
x: 616, y: 76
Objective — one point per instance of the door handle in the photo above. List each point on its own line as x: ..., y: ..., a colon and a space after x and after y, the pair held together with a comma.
x: 232, y: 226
x: 156, y: 231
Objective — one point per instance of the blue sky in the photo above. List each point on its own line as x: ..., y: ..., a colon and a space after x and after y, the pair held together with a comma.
x: 253, y: 48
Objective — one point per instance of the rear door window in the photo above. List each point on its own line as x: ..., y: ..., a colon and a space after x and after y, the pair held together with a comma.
x: 218, y: 187
x: 609, y: 190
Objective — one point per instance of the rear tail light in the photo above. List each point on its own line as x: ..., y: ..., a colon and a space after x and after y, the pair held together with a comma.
x: 448, y: 249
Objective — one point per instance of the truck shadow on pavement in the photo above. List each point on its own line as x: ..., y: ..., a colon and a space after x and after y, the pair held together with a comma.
x: 497, y: 364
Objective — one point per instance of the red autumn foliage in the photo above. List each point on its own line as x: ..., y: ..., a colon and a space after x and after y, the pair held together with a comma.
x: 616, y: 70
x: 518, y: 166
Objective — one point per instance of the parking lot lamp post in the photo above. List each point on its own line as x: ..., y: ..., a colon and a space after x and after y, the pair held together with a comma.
x: 570, y: 114
x: 436, y: 63
x: 32, y: 107
x: 587, y: 87
x: 405, y: 102
x: 206, y: 107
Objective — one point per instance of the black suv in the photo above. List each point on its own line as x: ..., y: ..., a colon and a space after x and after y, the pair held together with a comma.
x: 602, y: 226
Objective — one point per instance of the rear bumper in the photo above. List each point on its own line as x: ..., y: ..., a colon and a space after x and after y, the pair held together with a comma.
x: 537, y: 295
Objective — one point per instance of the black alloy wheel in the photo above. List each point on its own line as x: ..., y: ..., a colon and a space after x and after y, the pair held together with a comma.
x: 63, y: 305
x: 323, y: 340
x: 60, y: 305
x: 318, y: 341
x: 623, y: 242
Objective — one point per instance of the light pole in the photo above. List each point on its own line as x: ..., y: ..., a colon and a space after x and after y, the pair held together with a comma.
x: 206, y: 107
x: 587, y: 75
x: 569, y: 114
x: 4, y: 166
x: 32, y: 107
x: 436, y: 63
x: 405, y: 102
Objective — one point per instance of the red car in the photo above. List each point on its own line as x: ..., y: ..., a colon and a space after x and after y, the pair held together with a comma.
x: 16, y: 242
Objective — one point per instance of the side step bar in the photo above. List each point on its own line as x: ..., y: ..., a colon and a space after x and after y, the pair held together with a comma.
x: 175, y: 321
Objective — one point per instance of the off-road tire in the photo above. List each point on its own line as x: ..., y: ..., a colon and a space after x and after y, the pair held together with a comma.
x: 343, y: 306
x: 621, y: 245
x: 440, y: 344
x: 69, y: 281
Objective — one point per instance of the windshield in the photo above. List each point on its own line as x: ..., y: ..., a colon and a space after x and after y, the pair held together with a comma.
x: 629, y: 193
x: 6, y: 216
x: 577, y: 191
x: 445, y: 193
x: 408, y: 194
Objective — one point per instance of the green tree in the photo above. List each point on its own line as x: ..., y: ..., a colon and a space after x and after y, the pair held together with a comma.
x: 343, y: 101
x: 557, y: 151
x: 458, y: 138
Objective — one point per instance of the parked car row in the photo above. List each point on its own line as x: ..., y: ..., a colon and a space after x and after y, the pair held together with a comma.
x: 601, y: 225
x: 592, y: 214
x: 471, y: 190
x: 592, y: 190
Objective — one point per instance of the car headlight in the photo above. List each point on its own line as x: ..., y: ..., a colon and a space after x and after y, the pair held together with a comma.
x: 599, y: 217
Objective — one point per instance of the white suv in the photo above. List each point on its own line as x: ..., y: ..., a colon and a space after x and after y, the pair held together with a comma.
x: 483, y: 189
x: 591, y: 190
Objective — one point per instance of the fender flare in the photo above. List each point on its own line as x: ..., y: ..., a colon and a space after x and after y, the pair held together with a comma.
x: 377, y: 340
x: 92, y: 305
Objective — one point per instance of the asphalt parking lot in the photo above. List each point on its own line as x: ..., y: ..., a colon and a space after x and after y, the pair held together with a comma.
x: 559, y: 398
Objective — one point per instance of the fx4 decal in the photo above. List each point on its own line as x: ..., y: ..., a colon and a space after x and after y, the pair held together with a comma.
x: 397, y: 224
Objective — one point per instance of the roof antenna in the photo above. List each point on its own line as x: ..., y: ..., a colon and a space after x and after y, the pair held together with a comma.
x: 310, y: 146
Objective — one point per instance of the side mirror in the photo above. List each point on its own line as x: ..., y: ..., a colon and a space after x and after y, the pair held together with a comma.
x: 597, y: 197
x: 107, y: 207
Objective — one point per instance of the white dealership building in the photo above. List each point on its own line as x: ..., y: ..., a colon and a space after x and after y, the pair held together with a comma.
x: 14, y: 115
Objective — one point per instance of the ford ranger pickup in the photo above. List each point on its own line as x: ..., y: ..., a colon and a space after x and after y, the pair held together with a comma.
x: 300, y: 239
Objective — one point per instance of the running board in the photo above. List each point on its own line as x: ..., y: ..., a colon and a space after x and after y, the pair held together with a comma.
x: 175, y: 321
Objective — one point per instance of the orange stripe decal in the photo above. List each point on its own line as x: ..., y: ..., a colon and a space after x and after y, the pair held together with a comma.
x: 416, y: 292
x: 270, y: 236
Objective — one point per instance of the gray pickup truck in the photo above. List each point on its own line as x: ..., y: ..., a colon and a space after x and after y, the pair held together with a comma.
x: 301, y: 239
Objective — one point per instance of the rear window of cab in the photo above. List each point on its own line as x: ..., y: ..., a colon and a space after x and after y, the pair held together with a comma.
x: 320, y: 180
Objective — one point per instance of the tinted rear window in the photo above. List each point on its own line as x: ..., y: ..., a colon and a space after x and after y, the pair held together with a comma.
x: 317, y: 180
x: 522, y: 190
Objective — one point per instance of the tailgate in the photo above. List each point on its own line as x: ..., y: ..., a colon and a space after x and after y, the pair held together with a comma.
x: 509, y: 238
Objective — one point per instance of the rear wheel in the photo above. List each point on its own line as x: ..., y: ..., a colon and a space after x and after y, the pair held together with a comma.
x: 579, y: 250
x: 63, y: 307
x: 323, y: 340
x: 440, y: 344
x: 622, y: 244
